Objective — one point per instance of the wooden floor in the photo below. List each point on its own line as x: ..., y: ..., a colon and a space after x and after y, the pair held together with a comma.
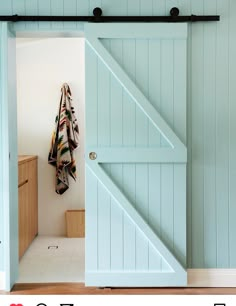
x: 79, y: 288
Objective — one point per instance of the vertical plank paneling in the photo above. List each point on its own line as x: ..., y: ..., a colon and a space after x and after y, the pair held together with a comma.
x: 116, y: 49
x: 142, y: 182
x: 154, y: 211
x: 91, y: 224
x: 167, y: 209
x: 179, y: 213
x: 184, y: 7
x: 142, y: 137
x: 133, y: 8
x: 104, y: 200
x: 91, y: 236
x: 142, y: 60
x: 167, y: 85
x: 179, y: 125
x: 129, y: 227
x: 187, y: 10
x: 129, y: 172
x: 154, y: 90
x: 115, y: 8
x: 222, y: 138
x: 57, y: 9
x: 142, y: 207
x: 116, y: 113
x: 189, y: 143
x: 104, y: 229
x: 69, y: 9
x: 91, y: 108
x: 31, y: 8
x: 142, y: 252
x: 159, y: 8
x: 154, y: 171
x: 103, y: 105
x: 167, y: 76
x: 83, y: 8
x: 179, y: 89
x: 117, y: 246
x: 6, y: 7
x: 232, y: 123
x: 209, y: 60
x: 18, y: 7
x: 146, y: 7
x: 197, y: 140
x: 129, y: 118
x: 44, y: 8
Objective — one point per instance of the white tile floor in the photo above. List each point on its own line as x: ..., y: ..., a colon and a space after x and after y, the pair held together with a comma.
x: 64, y: 264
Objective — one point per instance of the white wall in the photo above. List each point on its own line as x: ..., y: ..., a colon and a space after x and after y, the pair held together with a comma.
x: 43, y: 65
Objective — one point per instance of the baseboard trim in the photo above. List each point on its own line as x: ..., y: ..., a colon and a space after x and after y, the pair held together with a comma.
x: 211, y: 277
x: 2, y: 281
x: 196, y: 278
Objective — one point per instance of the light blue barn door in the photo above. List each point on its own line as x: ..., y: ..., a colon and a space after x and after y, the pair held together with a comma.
x: 136, y: 154
x: 8, y: 159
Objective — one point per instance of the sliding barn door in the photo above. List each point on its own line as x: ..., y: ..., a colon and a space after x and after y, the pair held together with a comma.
x: 136, y: 154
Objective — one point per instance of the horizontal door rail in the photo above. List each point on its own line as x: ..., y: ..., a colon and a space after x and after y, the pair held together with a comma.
x: 136, y: 155
x: 97, y: 17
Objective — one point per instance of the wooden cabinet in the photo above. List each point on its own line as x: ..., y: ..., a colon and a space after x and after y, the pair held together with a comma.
x: 28, y: 201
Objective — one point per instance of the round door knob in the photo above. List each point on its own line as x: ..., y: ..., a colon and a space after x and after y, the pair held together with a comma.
x: 92, y: 155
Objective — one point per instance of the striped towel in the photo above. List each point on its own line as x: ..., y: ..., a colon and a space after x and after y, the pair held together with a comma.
x: 65, y: 139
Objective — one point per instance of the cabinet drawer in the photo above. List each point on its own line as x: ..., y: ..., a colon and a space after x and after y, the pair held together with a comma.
x: 22, y: 174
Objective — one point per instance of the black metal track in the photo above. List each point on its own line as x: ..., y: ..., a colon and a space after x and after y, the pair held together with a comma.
x: 174, y: 17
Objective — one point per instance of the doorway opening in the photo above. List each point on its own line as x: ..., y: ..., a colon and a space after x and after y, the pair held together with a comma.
x: 43, y: 65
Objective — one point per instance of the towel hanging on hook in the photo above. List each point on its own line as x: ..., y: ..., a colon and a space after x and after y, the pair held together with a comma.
x: 65, y: 140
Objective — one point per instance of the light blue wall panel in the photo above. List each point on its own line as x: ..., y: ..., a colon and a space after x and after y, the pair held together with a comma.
x: 167, y: 204
x: 211, y: 112
x: 117, y: 226
x: 44, y: 8
x: 2, y: 230
x: 209, y: 122
x: 141, y: 183
x: 91, y: 228
x: 104, y: 139
x: 159, y: 8
x: 196, y: 122
x: 167, y: 93
x: 115, y: 8
x: 18, y: 7
x: 154, y: 217
x: 69, y: 9
x: 133, y: 7
x: 232, y: 129
x: 222, y: 138
x: 7, y: 7
x: 31, y: 8
x: 83, y: 8
x: 146, y: 7
x: 129, y: 171
x: 104, y: 229
x: 57, y: 8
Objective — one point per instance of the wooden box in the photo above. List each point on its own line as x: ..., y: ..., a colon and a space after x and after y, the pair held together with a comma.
x: 75, y: 223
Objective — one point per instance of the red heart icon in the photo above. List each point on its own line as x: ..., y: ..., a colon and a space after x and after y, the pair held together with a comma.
x: 16, y: 305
